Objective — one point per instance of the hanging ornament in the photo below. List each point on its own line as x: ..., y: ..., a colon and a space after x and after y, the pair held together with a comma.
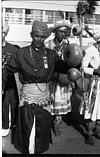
x: 45, y: 62
x: 86, y: 6
x: 82, y: 7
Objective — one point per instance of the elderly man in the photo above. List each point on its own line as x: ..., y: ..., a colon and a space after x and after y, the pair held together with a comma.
x: 35, y: 65
x: 90, y: 106
x: 10, y: 96
x: 61, y: 92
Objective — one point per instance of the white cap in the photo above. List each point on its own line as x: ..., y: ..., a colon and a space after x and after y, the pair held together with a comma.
x: 62, y: 23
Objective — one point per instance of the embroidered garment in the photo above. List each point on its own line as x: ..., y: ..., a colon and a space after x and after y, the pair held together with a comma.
x: 90, y: 104
x: 35, y: 93
x: 61, y: 103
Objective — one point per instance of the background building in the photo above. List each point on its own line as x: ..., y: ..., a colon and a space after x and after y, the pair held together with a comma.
x: 21, y: 14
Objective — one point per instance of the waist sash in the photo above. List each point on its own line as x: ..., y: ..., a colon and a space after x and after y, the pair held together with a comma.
x: 35, y: 93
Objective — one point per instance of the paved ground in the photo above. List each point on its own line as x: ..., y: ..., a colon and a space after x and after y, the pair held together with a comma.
x: 71, y: 141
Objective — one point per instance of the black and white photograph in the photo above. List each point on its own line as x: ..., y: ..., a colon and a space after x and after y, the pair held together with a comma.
x: 50, y: 77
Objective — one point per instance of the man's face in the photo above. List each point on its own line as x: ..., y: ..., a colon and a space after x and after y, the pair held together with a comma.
x: 3, y: 35
x: 38, y: 38
x: 61, y: 33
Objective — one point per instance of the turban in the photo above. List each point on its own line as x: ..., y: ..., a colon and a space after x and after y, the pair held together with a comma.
x: 62, y: 23
x: 5, y: 29
x: 40, y: 25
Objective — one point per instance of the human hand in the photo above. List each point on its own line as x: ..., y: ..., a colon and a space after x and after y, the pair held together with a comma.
x: 97, y: 71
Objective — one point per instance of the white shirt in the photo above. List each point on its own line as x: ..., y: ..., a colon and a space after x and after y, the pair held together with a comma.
x: 92, y: 56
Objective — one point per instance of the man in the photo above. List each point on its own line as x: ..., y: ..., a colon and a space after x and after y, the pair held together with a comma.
x: 90, y: 106
x: 61, y: 92
x: 10, y: 97
x: 35, y: 65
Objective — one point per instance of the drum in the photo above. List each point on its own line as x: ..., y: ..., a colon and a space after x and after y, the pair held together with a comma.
x: 74, y: 74
x: 73, y: 55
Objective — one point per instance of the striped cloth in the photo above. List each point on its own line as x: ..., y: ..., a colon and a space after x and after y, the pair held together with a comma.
x: 61, y: 103
x: 90, y: 104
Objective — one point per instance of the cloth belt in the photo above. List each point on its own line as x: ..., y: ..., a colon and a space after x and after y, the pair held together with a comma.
x: 35, y: 93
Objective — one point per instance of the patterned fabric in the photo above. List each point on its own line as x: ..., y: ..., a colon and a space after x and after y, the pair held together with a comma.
x: 59, y: 49
x: 90, y: 104
x: 60, y: 95
x: 61, y: 103
x: 35, y: 93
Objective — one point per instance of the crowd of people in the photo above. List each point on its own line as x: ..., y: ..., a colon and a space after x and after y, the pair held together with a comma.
x: 44, y: 98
